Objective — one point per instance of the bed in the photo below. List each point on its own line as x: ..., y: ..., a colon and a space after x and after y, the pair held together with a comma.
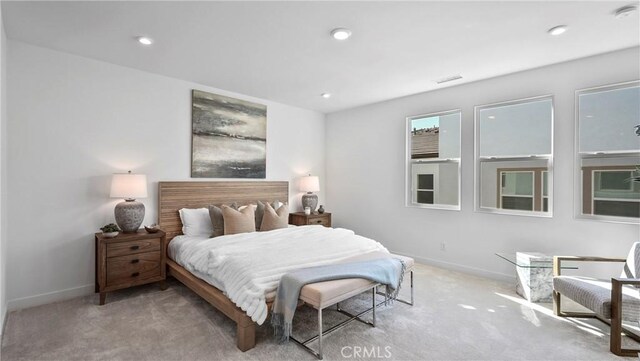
x: 173, y: 196
x: 238, y: 274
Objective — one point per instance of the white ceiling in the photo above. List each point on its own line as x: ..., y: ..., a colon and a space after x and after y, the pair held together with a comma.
x: 282, y: 51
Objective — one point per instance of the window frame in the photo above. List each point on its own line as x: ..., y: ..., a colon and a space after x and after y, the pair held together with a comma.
x: 409, y: 190
x: 578, y: 197
x: 478, y: 160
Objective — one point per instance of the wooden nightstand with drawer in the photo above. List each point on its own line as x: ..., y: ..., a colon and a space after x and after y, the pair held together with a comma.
x: 301, y: 219
x: 129, y: 259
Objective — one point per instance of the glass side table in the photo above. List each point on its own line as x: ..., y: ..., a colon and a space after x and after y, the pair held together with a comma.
x: 534, y: 274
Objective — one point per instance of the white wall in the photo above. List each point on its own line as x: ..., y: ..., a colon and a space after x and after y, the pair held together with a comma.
x: 366, y: 176
x: 3, y: 173
x: 73, y: 122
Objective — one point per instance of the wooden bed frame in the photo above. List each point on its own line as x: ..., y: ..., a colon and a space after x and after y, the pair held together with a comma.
x: 172, y: 196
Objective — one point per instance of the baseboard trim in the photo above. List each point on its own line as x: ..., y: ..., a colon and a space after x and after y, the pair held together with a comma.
x: 461, y: 268
x: 50, y: 297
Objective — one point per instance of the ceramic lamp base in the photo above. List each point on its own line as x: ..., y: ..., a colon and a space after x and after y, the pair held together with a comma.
x: 310, y: 200
x: 129, y: 215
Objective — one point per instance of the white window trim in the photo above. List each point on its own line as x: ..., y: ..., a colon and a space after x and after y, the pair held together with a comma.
x: 579, y: 156
x: 408, y: 162
x: 479, y: 159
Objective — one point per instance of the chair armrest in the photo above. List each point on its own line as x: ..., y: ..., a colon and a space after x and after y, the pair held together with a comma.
x: 557, y: 261
x: 617, y: 282
x: 616, y: 294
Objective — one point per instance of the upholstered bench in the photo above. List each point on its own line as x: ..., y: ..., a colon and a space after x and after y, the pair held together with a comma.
x: 325, y: 294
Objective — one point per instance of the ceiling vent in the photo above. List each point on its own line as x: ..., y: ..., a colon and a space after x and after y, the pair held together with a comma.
x: 449, y: 78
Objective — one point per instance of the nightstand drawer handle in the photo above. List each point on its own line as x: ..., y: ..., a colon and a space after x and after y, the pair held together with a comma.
x: 319, y: 221
x: 135, y: 274
x: 135, y: 261
x: 133, y: 248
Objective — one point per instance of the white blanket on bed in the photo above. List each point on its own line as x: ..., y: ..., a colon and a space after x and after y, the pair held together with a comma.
x: 250, y: 265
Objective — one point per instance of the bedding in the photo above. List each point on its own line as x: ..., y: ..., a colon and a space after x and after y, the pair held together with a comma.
x: 242, y: 220
x: 196, y: 222
x: 248, y: 266
x: 275, y: 219
x: 177, y: 246
x: 217, y: 220
x: 260, y: 211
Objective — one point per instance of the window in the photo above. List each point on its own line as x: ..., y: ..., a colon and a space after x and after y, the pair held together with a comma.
x: 433, y: 160
x: 514, y: 156
x: 425, y: 189
x: 608, y: 152
x: 523, y: 189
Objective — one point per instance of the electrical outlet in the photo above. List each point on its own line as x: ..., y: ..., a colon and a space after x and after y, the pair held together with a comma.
x: 442, y: 247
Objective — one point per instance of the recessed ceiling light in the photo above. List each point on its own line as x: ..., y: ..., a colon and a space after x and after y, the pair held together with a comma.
x: 557, y: 30
x: 625, y: 11
x: 341, y: 33
x: 492, y: 117
x: 326, y: 95
x: 144, y: 40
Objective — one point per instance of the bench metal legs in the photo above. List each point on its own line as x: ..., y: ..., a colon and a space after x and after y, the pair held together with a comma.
x: 319, y: 355
x: 352, y: 317
x: 340, y: 325
x: 411, y: 280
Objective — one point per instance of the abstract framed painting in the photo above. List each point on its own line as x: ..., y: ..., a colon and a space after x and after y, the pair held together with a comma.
x: 229, y: 137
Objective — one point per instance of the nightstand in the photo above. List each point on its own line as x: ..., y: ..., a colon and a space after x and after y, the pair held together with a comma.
x: 129, y: 259
x: 301, y: 219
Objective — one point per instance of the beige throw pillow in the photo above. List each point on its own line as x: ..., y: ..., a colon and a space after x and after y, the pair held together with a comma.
x: 273, y: 219
x: 217, y: 220
x: 241, y: 221
x: 260, y: 211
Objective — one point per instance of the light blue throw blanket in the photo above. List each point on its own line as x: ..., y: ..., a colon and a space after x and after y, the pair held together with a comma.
x: 386, y: 271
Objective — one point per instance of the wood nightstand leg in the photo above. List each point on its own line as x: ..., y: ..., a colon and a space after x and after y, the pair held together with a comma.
x: 103, y: 298
x: 163, y: 285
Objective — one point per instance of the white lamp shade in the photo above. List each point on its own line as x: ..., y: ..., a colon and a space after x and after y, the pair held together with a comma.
x: 129, y: 186
x: 310, y: 184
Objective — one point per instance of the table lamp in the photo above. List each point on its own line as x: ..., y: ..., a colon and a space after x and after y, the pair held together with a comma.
x: 310, y: 184
x: 129, y: 214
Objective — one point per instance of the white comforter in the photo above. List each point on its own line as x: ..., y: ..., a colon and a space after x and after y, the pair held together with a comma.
x: 250, y: 265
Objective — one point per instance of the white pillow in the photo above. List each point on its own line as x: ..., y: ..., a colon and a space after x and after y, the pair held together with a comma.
x: 196, y: 222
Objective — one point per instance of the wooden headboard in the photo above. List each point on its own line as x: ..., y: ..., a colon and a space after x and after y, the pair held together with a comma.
x: 173, y: 196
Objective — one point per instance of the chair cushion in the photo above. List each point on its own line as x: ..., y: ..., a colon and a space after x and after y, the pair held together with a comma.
x: 595, y: 295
